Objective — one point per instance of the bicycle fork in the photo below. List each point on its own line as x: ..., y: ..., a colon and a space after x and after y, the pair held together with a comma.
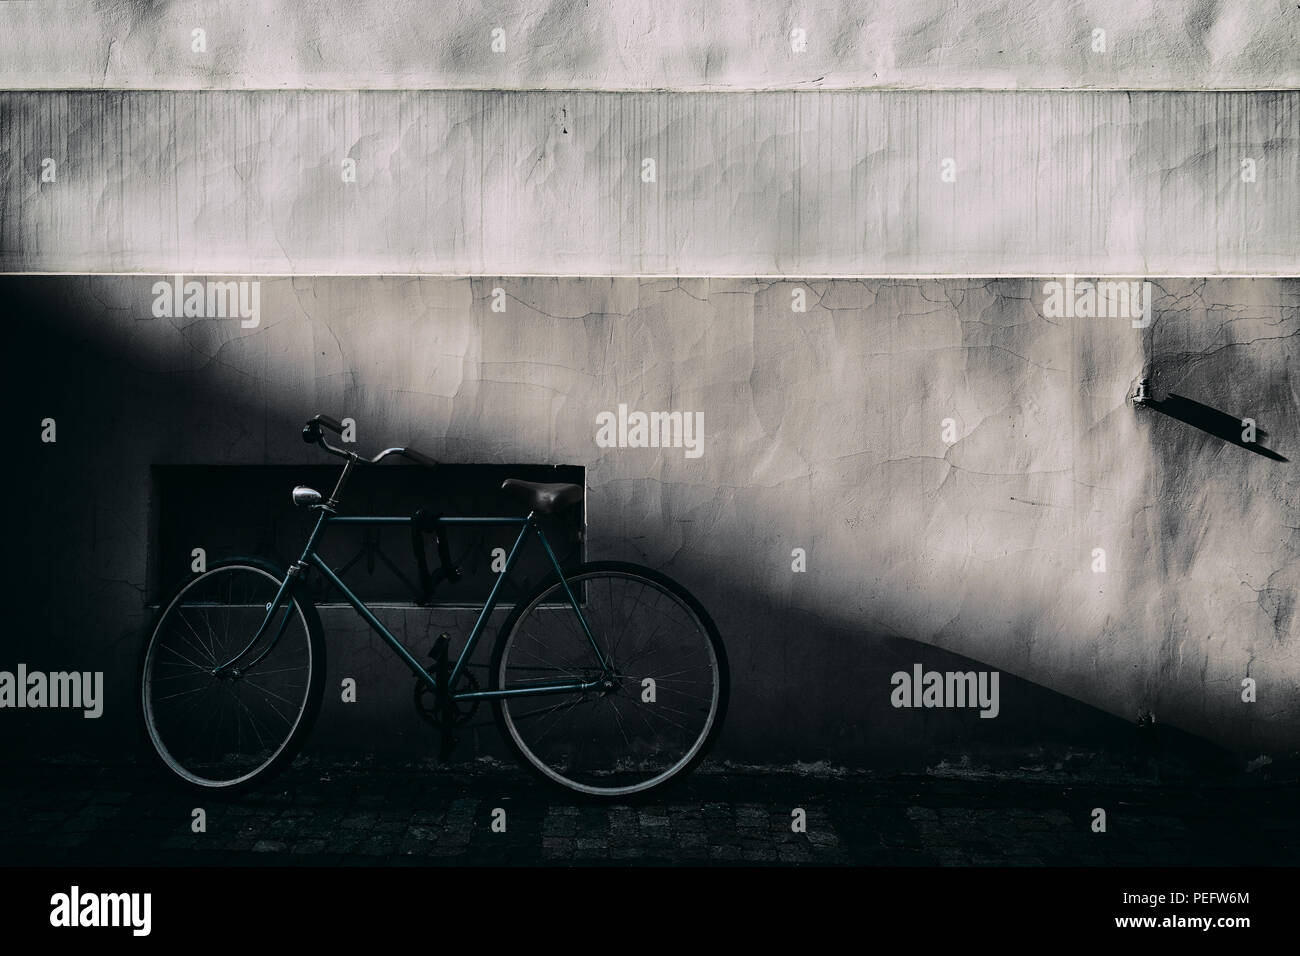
x: 285, y: 591
x: 285, y: 594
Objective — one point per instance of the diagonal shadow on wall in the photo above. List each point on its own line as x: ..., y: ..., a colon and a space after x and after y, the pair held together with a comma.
x: 806, y: 686
x: 1212, y: 421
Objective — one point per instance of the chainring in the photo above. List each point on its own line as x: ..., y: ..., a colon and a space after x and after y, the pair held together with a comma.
x: 427, y: 706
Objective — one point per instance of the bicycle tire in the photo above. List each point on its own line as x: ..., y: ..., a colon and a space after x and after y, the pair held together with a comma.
x: 709, y: 733
x: 305, y: 720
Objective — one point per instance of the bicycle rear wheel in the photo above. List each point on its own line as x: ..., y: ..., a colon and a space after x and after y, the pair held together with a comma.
x: 229, y: 733
x: 653, y: 716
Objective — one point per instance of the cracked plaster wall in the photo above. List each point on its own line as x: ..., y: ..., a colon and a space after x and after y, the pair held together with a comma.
x: 648, y: 44
x: 822, y: 428
x: 823, y: 431
x: 783, y: 183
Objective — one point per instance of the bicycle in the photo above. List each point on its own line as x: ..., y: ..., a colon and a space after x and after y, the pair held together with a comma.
x: 229, y: 693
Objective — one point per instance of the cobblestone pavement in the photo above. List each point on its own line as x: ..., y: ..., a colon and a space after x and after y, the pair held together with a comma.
x: 52, y: 814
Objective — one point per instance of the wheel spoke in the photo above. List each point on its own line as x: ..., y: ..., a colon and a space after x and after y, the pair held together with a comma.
x: 631, y: 738
x: 223, y: 731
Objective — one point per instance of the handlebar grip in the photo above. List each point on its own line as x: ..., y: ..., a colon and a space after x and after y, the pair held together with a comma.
x: 311, y: 432
x: 418, y: 458
x: 333, y: 424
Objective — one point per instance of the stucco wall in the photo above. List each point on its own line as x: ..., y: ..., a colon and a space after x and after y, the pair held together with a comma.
x: 650, y: 44
x: 823, y: 431
x: 815, y: 183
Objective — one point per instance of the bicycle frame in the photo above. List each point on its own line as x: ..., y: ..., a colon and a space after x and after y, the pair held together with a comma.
x: 311, y: 558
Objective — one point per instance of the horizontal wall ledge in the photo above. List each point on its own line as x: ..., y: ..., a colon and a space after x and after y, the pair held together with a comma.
x: 793, y: 183
x: 647, y: 44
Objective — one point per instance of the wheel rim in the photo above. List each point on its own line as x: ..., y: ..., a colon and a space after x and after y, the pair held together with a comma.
x: 221, y: 732
x: 612, y: 742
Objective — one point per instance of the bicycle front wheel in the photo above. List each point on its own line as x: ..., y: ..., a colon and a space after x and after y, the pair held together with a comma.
x: 654, y: 708
x: 230, y: 732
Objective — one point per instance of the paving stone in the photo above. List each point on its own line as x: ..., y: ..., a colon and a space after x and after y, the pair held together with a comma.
x: 368, y: 816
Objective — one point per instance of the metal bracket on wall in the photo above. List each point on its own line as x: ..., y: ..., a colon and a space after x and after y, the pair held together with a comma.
x: 1143, y: 394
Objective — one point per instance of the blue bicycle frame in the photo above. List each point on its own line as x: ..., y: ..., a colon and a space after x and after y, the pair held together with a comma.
x: 311, y: 558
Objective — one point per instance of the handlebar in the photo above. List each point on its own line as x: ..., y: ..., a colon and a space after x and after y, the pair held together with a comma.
x: 313, y: 434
